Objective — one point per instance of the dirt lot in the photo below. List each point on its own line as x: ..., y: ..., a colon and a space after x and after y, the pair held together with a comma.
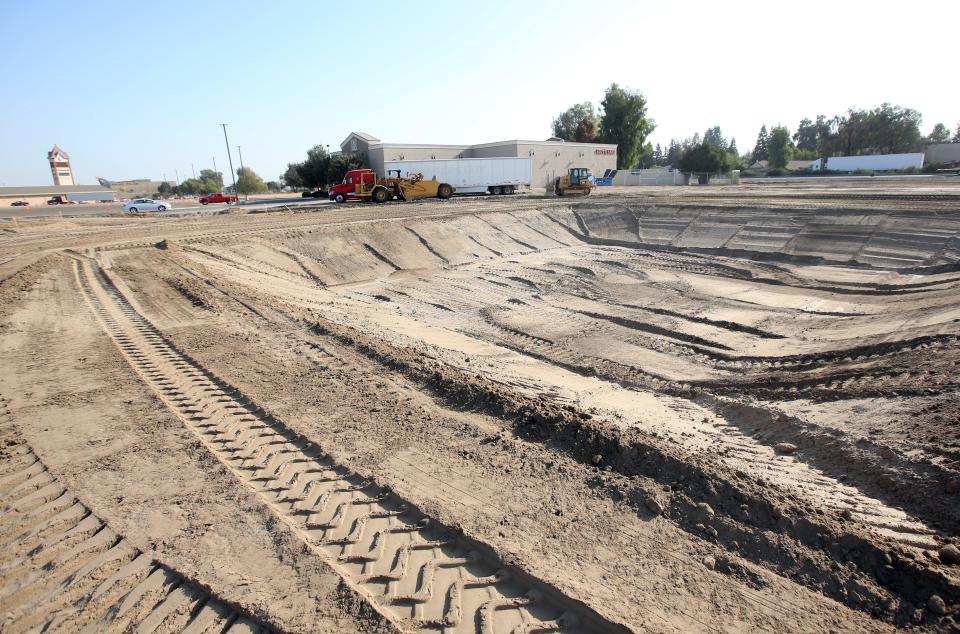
x: 665, y: 409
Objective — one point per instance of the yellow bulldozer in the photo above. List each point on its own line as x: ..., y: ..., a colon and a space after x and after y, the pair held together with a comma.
x: 413, y: 187
x: 574, y: 183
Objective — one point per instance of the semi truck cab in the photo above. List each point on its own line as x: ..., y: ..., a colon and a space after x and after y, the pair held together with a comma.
x: 354, y: 182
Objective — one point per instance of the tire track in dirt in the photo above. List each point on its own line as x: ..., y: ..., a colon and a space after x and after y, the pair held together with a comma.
x: 65, y: 570
x: 414, y: 571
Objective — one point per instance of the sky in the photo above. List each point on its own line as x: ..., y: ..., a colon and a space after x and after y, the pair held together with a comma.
x: 138, y: 90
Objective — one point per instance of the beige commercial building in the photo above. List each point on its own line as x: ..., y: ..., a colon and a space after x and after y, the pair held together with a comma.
x: 549, y: 158
x: 63, y: 193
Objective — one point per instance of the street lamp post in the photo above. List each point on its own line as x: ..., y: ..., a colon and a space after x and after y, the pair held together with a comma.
x: 230, y: 158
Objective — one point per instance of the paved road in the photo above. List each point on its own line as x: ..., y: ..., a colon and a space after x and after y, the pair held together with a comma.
x: 115, y: 209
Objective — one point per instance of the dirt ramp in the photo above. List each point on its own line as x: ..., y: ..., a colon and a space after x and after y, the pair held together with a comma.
x: 878, y: 239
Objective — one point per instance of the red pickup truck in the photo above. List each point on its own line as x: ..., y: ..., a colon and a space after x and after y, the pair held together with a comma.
x: 219, y: 197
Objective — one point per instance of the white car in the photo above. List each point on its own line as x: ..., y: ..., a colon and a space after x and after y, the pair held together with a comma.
x: 146, y: 204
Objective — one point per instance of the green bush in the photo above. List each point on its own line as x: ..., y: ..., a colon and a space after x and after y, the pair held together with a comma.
x: 776, y: 171
x: 863, y: 172
x: 931, y: 168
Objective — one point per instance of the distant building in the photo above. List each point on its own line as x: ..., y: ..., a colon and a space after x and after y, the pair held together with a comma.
x: 135, y: 188
x: 60, y: 167
x: 942, y: 153
x: 65, y: 193
x: 549, y: 158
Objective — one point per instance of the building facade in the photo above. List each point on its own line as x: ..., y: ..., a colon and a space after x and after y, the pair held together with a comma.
x: 60, y: 167
x: 549, y: 158
x: 64, y: 193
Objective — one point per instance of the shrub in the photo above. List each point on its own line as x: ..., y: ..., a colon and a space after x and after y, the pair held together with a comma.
x: 776, y: 171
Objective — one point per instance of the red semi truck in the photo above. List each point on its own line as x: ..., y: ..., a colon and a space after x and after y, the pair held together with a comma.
x: 219, y: 197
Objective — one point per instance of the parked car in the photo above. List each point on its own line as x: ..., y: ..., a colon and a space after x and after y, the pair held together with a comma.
x: 54, y: 201
x: 219, y: 197
x: 145, y: 204
x: 19, y: 203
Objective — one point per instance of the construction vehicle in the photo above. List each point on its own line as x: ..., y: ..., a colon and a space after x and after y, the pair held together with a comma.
x: 363, y: 185
x: 577, y: 182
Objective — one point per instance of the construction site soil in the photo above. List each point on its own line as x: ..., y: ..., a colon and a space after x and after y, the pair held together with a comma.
x: 653, y: 409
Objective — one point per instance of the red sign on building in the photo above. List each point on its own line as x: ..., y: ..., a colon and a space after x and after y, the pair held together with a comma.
x: 603, y: 151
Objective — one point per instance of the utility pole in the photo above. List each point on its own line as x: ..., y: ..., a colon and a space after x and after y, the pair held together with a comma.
x: 215, y: 169
x: 245, y: 195
x: 230, y: 158
x: 176, y: 174
x: 194, y: 170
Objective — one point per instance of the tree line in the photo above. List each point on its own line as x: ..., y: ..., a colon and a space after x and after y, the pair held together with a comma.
x: 885, y: 129
x: 321, y: 169
x: 210, y: 181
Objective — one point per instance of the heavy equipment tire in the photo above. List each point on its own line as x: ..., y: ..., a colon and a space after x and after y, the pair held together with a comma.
x: 340, y: 198
x: 508, y: 189
x: 495, y: 190
x: 444, y: 191
x: 380, y: 195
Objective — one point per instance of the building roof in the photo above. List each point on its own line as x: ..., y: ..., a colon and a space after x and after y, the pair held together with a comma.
x: 57, y: 150
x: 363, y: 136
x: 51, y: 190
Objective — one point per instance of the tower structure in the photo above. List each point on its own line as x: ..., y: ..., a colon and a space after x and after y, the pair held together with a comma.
x: 60, y: 167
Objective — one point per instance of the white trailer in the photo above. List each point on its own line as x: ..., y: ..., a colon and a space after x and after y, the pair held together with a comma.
x: 502, y: 175
x: 873, y: 162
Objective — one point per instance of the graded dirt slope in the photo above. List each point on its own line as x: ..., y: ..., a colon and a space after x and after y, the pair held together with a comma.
x: 654, y: 411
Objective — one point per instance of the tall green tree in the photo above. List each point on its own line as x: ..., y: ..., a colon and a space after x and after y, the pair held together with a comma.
x: 624, y: 121
x: 658, y: 156
x: 248, y: 182
x: 714, y: 136
x: 164, y: 188
x: 674, y: 152
x: 779, y: 147
x: 956, y: 135
x: 732, y: 148
x: 576, y: 123
x: 704, y: 158
x: 805, y: 137
x: 213, y: 177
x: 760, y: 148
x: 939, y: 134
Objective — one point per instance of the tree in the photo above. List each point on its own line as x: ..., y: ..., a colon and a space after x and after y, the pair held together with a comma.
x: 674, y: 152
x: 248, y: 182
x: 956, y: 135
x: 164, y: 188
x: 886, y: 129
x: 704, y: 158
x: 714, y: 137
x: 658, y: 156
x: 624, y: 122
x: 806, y: 136
x: 732, y: 148
x: 760, y: 149
x: 215, y: 178
x: 274, y: 186
x: 576, y: 123
x: 779, y: 147
x: 939, y: 134
x: 189, y: 187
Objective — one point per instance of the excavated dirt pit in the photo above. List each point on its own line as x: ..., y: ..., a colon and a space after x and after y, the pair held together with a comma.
x: 732, y: 411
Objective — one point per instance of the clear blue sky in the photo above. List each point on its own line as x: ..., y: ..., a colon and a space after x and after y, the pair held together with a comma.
x: 136, y: 90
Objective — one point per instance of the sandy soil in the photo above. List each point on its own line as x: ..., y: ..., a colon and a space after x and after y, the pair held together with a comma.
x: 651, y: 410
